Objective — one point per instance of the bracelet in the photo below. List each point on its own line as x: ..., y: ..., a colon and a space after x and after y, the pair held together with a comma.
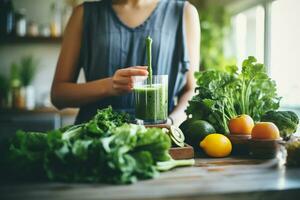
x: 171, y: 119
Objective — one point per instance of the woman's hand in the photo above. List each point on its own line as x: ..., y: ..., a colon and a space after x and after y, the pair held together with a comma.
x: 122, y: 80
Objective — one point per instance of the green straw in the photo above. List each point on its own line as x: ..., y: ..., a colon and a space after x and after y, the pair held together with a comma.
x: 149, y: 57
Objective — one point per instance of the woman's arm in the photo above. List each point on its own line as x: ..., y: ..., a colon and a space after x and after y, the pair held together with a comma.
x: 192, y: 28
x: 65, y: 92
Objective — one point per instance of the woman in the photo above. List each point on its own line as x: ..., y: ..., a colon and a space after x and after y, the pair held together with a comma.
x: 107, y: 39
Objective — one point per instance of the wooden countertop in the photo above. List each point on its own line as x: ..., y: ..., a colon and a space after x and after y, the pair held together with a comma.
x: 53, y: 110
x: 210, y: 179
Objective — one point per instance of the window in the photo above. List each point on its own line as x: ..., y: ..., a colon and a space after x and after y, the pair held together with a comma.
x: 248, y: 34
x: 285, y: 50
x: 270, y: 31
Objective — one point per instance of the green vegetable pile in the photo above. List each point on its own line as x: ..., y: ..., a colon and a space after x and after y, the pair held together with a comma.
x: 222, y: 95
x: 286, y: 121
x: 105, y: 149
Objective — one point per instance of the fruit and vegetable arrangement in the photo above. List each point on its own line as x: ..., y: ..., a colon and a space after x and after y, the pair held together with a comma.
x: 229, y: 109
x: 242, y: 105
x: 105, y: 149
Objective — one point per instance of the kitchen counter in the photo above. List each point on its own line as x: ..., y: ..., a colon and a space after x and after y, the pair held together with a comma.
x: 210, y: 179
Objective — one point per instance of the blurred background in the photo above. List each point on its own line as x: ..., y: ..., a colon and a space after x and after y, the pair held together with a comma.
x: 32, y: 30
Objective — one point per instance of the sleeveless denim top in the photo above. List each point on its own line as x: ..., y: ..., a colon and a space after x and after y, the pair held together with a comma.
x: 108, y: 45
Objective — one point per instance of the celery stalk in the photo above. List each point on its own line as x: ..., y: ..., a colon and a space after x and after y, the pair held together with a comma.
x: 149, y: 57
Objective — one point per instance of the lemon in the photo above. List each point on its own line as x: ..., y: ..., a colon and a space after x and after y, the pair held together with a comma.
x: 216, y: 145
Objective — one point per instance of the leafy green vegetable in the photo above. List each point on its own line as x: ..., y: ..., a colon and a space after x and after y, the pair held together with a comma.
x: 105, y: 149
x: 286, y: 121
x: 104, y: 121
x: 26, y: 153
x: 132, y: 152
x: 222, y: 95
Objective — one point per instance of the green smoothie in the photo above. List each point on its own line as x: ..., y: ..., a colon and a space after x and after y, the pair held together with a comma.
x: 151, y: 103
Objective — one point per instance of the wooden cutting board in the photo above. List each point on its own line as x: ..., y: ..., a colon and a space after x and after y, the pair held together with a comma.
x: 178, y: 153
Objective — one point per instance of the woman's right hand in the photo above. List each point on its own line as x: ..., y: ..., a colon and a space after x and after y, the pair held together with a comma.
x: 122, y: 80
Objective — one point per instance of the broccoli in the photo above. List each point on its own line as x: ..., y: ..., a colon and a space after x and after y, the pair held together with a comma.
x: 286, y: 121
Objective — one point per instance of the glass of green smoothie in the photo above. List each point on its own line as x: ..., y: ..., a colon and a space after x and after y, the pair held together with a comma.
x: 151, y: 99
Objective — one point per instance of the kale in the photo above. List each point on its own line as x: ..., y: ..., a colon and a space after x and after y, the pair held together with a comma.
x: 104, y: 121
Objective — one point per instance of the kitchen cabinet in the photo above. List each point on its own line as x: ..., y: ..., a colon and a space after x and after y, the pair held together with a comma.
x: 34, y: 120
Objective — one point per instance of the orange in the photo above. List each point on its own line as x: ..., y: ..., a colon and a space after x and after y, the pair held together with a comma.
x: 241, y: 125
x: 265, y: 130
